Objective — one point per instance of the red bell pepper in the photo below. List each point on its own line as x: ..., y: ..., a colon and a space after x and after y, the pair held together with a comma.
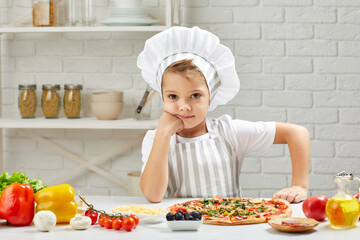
x: 17, y: 204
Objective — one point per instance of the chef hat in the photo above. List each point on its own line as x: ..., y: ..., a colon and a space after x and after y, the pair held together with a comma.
x: 215, y: 60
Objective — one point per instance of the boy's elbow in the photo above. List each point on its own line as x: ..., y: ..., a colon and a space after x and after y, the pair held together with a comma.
x: 151, y: 196
x: 302, y: 131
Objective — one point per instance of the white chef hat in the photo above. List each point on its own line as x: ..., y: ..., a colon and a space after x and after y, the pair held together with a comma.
x: 215, y: 60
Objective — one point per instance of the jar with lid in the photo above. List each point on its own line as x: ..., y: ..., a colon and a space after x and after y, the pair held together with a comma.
x: 45, y: 13
x: 27, y: 100
x: 73, y: 100
x: 50, y: 100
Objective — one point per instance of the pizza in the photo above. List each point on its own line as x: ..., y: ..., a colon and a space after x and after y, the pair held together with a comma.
x: 235, y: 211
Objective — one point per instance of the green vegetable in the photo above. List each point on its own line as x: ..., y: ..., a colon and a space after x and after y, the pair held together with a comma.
x: 6, y: 180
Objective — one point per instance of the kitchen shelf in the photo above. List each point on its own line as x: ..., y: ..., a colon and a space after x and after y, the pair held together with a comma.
x: 158, y: 28
x: 81, y: 123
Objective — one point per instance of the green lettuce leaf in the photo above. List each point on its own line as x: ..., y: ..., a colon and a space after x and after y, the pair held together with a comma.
x: 6, y: 180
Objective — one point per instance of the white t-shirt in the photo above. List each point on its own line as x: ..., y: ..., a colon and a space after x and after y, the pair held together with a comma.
x: 243, y: 136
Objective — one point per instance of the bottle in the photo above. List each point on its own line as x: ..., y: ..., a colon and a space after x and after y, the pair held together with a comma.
x: 88, y: 12
x: 50, y: 100
x: 73, y: 8
x: 343, y: 210
x: 27, y: 100
x: 73, y: 101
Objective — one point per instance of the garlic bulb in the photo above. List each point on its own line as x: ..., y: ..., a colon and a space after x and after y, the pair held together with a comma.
x: 45, y: 220
x: 80, y: 222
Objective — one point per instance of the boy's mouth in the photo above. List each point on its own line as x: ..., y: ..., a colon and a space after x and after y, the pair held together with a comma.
x: 185, y: 117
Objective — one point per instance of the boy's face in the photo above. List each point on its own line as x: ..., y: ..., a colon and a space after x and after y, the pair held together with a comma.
x: 188, y: 99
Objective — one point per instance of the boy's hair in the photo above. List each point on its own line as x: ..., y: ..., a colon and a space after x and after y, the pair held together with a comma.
x: 184, y: 67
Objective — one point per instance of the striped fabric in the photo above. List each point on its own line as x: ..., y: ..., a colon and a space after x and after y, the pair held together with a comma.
x: 205, y: 67
x: 203, y: 169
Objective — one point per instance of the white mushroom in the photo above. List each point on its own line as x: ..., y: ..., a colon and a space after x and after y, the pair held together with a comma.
x: 80, y: 222
x: 45, y: 220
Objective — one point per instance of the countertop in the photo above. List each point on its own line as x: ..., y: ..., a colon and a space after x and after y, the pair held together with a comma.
x: 161, y: 230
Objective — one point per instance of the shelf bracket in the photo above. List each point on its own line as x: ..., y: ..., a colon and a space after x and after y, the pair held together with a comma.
x: 82, y: 162
x: 97, y: 161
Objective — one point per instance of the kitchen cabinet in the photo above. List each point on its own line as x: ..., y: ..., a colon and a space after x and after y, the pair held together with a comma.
x: 25, y: 125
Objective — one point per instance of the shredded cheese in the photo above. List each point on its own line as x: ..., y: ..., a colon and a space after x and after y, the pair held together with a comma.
x: 139, y: 210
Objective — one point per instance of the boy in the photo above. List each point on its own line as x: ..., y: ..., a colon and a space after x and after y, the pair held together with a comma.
x: 190, y: 154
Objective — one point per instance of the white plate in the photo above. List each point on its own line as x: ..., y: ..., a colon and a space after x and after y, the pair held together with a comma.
x: 147, y: 218
x: 184, y: 225
x: 129, y: 21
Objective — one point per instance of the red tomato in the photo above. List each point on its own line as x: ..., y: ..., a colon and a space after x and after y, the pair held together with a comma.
x: 101, y: 221
x: 117, y: 224
x: 314, y: 207
x: 128, y: 224
x: 108, y: 223
x: 136, y: 219
x: 92, y: 214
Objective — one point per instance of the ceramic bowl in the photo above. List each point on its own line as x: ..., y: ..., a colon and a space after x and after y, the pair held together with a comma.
x: 146, y: 218
x: 107, y: 110
x: 107, y: 96
x: 184, y: 225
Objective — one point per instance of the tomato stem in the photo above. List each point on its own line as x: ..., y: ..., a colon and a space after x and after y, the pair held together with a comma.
x: 108, y: 215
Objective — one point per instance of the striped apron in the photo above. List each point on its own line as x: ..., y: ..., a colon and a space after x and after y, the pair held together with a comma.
x: 203, y: 169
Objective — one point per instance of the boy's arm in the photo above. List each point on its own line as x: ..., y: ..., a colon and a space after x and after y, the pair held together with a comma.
x: 298, y: 140
x: 154, y: 179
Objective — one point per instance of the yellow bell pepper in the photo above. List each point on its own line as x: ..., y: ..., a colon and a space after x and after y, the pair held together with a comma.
x: 59, y: 199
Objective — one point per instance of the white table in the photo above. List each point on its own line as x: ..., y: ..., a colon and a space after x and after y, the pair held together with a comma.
x: 161, y: 231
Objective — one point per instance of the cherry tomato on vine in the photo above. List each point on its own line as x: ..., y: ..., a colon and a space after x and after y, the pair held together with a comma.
x: 108, y: 223
x: 136, y: 219
x: 101, y: 221
x: 92, y: 214
x: 117, y: 224
x: 128, y: 224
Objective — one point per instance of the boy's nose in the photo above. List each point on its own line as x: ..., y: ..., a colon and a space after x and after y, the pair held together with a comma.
x: 183, y: 106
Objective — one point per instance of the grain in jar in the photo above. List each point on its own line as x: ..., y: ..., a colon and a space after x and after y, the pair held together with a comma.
x: 73, y: 100
x: 50, y: 100
x: 44, y: 13
x: 27, y: 100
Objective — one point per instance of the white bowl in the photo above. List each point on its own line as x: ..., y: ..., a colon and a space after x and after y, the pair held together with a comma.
x: 107, y: 96
x: 184, y: 225
x: 146, y: 218
x: 107, y: 110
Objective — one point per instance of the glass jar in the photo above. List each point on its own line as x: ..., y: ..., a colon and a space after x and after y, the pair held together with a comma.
x: 44, y: 13
x: 88, y: 12
x: 73, y: 10
x: 27, y: 100
x: 50, y: 100
x: 73, y: 101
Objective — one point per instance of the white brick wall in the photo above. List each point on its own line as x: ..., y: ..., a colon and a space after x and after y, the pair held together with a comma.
x: 298, y: 62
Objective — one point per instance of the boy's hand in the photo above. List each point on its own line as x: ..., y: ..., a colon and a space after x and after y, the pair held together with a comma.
x: 294, y: 194
x: 170, y: 124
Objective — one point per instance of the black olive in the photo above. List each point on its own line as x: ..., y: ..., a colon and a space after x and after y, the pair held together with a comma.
x: 179, y: 215
x: 179, y: 211
x: 170, y: 216
x: 196, y: 215
x: 243, y: 206
x: 187, y: 216
x: 185, y: 205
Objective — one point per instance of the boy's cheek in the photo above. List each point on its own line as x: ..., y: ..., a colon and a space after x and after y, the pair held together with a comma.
x: 168, y: 108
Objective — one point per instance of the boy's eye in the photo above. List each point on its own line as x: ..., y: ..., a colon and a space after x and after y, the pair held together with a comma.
x: 172, y: 96
x: 195, y: 95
